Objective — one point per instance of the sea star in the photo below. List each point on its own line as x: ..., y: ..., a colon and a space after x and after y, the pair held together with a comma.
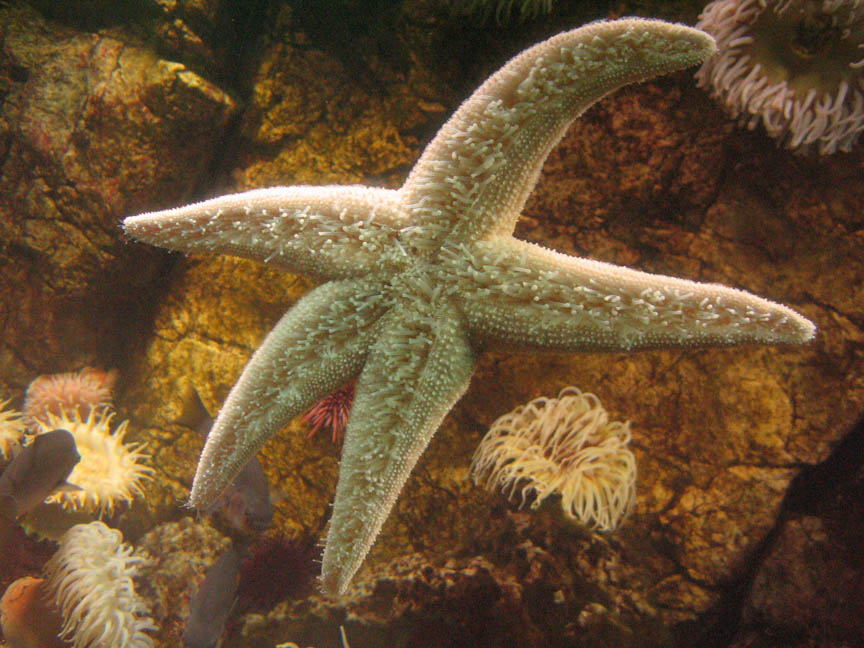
x: 418, y: 281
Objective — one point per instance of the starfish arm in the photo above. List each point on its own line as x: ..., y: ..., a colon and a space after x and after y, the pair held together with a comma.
x: 328, y: 232
x: 474, y: 177
x: 531, y: 298
x: 418, y: 368
x: 315, y: 348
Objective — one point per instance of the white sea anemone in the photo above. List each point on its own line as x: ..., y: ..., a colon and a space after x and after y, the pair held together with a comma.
x: 12, y: 428
x: 796, y: 66
x: 563, y: 445
x: 90, y: 578
x: 109, y: 472
x: 502, y: 9
x: 84, y: 390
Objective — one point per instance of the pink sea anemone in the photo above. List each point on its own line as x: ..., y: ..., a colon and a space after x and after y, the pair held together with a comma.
x: 796, y: 66
x: 85, y: 390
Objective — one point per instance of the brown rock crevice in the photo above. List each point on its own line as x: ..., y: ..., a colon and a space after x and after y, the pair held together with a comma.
x: 793, y: 584
x: 90, y: 128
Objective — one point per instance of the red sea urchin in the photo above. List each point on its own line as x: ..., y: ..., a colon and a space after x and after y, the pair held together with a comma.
x: 278, y: 568
x: 796, y: 66
x: 331, y: 411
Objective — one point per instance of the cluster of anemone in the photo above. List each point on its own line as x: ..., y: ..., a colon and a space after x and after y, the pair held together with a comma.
x: 795, y: 66
x: 111, y: 472
x: 90, y: 579
x: 565, y: 446
x: 85, y: 599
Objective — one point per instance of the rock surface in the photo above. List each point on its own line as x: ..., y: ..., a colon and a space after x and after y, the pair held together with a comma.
x: 653, y: 177
x: 90, y: 128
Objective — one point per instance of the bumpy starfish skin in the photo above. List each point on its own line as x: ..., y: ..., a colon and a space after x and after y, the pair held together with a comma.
x: 417, y: 281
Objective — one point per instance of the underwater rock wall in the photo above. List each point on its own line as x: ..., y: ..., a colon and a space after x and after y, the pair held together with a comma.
x: 97, y: 122
x: 91, y: 127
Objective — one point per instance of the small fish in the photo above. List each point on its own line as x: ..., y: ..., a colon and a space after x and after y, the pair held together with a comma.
x: 38, y: 470
x: 210, y: 607
x: 245, y: 504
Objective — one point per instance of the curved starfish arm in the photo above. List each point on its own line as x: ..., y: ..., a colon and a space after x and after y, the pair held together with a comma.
x: 316, y: 347
x: 531, y: 298
x: 474, y: 178
x: 323, y: 232
x: 418, y: 368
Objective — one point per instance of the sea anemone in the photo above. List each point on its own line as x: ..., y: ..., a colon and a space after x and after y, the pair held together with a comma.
x: 85, y: 390
x: 502, y: 9
x: 109, y: 472
x: 12, y: 428
x: 331, y: 411
x: 566, y: 446
x: 795, y: 65
x: 90, y: 578
x: 27, y: 616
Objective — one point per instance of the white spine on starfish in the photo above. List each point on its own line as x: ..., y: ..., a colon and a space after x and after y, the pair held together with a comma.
x: 330, y: 232
x: 313, y: 350
x: 475, y: 176
x: 417, y: 370
x: 528, y: 297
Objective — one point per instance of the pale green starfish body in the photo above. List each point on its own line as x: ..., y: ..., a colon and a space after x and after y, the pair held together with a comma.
x: 417, y: 281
